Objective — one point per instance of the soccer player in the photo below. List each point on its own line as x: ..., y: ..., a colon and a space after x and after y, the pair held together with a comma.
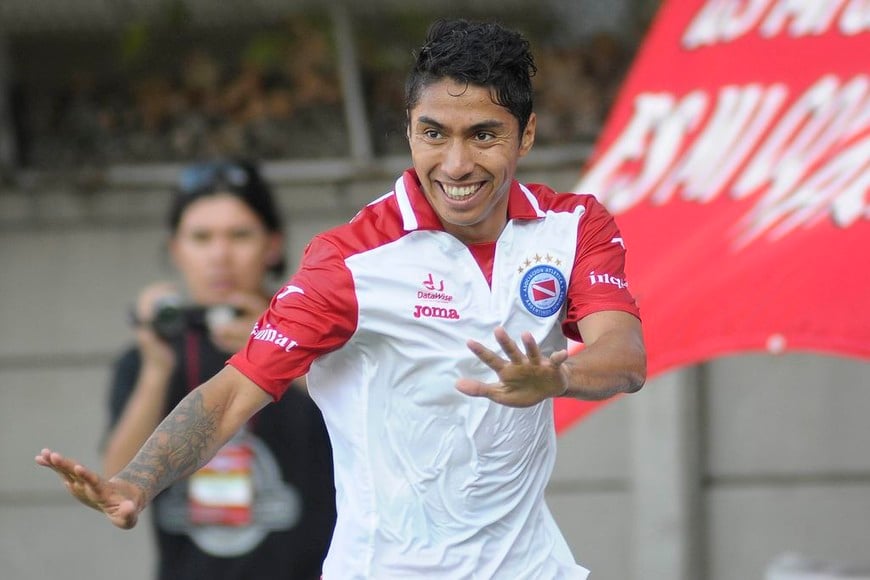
x: 433, y: 330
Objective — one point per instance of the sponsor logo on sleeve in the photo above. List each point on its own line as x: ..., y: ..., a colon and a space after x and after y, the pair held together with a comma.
x: 269, y: 334
x: 606, y: 279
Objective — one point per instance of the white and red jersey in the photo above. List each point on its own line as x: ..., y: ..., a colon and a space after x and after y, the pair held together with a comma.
x: 431, y: 483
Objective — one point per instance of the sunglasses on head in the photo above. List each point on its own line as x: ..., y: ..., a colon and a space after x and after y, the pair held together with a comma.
x: 196, y: 178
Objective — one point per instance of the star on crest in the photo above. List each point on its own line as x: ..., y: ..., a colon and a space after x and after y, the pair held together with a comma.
x: 537, y: 259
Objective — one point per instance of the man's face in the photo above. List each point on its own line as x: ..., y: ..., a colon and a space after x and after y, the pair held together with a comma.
x: 221, y: 248
x: 465, y: 149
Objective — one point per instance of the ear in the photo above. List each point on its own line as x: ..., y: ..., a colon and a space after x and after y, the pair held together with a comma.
x: 527, y: 139
x: 172, y: 250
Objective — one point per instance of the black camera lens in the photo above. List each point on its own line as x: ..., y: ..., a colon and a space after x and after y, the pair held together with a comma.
x: 169, y: 321
x: 172, y: 317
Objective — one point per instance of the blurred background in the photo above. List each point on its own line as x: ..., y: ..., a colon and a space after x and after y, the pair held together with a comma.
x: 712, y: 472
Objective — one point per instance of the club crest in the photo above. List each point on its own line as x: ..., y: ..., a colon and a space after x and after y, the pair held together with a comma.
x: 542, y: 290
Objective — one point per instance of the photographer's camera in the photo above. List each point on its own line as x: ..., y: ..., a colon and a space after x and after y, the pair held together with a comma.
x: 172, y: 317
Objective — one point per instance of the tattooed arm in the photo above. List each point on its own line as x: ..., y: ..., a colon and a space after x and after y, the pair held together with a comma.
x: 186, y: 439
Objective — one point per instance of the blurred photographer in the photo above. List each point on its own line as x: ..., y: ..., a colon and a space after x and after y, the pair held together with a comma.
x: 264, y: 507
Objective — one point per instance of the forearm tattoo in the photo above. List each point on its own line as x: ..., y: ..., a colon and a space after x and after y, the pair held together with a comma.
x: 178, y: 446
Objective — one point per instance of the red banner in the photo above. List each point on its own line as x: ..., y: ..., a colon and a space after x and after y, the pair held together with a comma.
x: 737, y: 163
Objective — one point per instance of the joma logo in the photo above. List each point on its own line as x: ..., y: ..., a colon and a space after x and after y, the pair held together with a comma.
x: 421, y: 311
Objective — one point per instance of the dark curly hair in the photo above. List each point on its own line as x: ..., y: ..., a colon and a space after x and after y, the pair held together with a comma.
x: 484, y: 54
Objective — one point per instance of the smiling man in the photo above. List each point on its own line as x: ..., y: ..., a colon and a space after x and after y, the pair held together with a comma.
x: 465, y: 148
x: 433, y: 330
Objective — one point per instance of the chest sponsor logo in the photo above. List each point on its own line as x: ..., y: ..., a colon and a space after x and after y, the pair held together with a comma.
x: 269, y: 334
x: 433, y: 291
x: 542, y: 290
x: 426, y: 311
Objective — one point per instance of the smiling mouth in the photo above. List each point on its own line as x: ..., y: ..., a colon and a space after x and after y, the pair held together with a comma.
x: 459, y: 192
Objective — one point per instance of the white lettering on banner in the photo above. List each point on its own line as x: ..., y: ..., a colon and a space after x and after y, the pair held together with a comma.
x: 739, y: 120
x: 722, y: 21
x: 654, y: 135
x: 838, y: 189
x: 814, y: 147
x: 828, y: 113
x: 269, y: 334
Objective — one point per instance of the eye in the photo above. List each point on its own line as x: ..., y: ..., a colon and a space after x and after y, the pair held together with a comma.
x: 243, y: 234
x: 484, y: 136
x: 200, y: 236
x: 432, y: 133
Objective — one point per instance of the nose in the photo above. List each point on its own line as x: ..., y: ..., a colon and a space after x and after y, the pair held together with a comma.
x: 220, y: 249
x: 458, y: 160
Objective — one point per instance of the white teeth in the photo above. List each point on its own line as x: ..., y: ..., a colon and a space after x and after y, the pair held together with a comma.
x: 455, y: 192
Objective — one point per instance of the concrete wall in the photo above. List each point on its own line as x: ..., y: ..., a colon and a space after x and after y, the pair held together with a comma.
x: 708, y: 473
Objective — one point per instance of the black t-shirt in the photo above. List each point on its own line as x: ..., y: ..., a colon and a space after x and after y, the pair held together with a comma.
x: 294, y: 505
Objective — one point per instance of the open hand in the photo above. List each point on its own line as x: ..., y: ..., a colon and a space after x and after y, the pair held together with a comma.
x: 525, y: 379
x: 116, y: 499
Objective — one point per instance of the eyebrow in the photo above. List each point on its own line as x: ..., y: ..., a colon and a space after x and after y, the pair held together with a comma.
x: 482, y: 126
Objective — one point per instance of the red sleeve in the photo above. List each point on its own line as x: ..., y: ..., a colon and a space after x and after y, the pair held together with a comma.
x: 313, y: 314
x: 598, y: 279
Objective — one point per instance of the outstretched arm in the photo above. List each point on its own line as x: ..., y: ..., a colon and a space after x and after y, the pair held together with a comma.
x: 145, y: 407
x: 613, y: 361
x: 184, y: 441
